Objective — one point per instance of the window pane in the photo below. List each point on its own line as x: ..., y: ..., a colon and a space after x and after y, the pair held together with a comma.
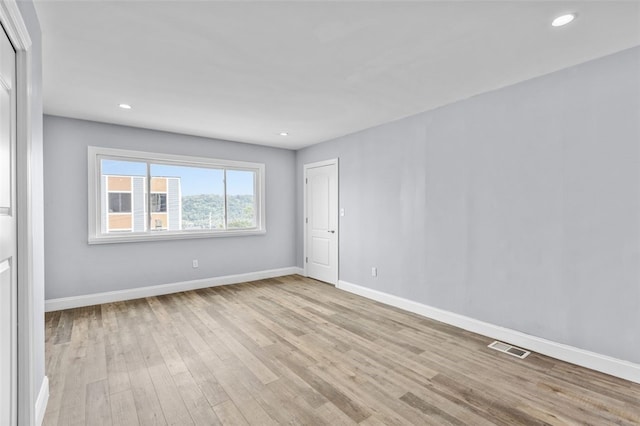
x: 139, y: 195
x: 123, y: 168
x: 123, y: 196
x: 194, y: 197
x: 241, y: 209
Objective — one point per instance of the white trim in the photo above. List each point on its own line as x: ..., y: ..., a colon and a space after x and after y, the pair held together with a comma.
x: 94, y: 205
x: 321, y: 163
x: 138, y: 237
x: 603, y: 363
x: 157, y: 290
x: 306, y: 167
x: 42, y: 401
x: 26, y: 325
x: 13, y: 23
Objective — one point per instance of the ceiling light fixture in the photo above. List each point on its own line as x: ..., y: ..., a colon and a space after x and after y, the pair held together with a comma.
x: 125, y: 106
x: 563, y: 19
x: 284, y: 134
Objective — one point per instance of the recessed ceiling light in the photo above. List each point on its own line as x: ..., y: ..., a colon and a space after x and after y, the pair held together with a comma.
x: 125, y: 106
x: 284, y: 134
x: 563, y: 19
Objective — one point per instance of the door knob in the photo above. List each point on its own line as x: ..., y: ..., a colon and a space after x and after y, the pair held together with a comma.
x: 333, y: 232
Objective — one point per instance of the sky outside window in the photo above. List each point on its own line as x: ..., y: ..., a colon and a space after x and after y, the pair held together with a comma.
x: 193, y: 180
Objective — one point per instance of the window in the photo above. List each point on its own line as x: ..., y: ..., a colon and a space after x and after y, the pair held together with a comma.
x: 138, y: 196
x: 158, y: 203
x: 119, y: 202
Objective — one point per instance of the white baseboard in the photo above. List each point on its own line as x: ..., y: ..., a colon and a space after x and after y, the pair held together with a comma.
x: 157, y: 290
x: 605, y: 364
x: 41, y: 402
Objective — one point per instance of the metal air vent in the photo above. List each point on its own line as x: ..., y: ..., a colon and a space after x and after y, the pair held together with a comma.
x: 509, y: 349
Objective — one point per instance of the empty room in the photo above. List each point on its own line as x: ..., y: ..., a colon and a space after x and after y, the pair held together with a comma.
x: 320, y: 212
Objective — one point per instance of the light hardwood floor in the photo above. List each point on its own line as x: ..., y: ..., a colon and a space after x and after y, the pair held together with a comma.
x: 295, y: 351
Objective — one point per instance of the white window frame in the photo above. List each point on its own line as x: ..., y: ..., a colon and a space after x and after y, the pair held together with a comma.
x: 94, y: 179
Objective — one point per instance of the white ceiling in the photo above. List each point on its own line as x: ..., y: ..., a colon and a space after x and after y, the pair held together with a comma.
x: 246, y: 71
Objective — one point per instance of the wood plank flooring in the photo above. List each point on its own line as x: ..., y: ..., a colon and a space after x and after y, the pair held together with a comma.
x: 295, y: 351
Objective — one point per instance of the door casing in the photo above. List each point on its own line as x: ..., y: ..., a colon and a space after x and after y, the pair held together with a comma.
x: 14, y: 25
x: 8, y: 235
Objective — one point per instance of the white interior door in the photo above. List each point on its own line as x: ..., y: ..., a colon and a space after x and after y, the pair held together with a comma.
x: 321, y: 221
x: 8, y: 233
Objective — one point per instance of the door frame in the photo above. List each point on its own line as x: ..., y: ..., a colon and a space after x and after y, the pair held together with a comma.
x: 13, y: 24
x: 336, y: 162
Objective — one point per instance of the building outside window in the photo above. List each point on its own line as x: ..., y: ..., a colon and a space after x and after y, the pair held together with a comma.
x: 126, y: 203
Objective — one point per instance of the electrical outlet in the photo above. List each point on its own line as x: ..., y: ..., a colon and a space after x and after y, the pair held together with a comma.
x: 341, y: 212
x: 194, y: 262
x: 374, y: 272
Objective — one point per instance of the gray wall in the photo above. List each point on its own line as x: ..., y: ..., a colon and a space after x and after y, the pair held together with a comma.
x: 36, y: 350
x: 75, y: 268
x: 519, y: 207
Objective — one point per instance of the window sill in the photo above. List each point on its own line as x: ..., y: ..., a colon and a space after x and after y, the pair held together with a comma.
x: 164, y: 236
